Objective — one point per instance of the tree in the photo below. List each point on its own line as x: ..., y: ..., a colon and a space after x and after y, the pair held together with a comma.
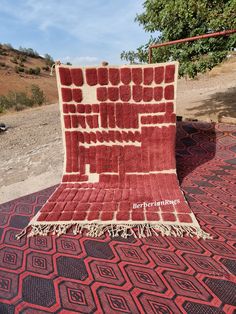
x: 29, y: 52
x: 177, y: 19
x: 48, y: 60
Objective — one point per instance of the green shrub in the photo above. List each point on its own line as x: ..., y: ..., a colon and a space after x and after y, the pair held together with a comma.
x: 37, y: 71
x: 38, y: 96
x: 2, y: 64
x: 21, y: 100
x: 22, y: 58
x: 4, y: 103
x: 29, y: 52
x: 34, y: 71
x: 19, y: 107
x: 4, y: 53
x: 14, y: 60
x: 19, y: 69
x: 46, y: 68
x: 48, y: 60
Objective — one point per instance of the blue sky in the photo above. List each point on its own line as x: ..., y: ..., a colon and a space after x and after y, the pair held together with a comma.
x: 83, y: 32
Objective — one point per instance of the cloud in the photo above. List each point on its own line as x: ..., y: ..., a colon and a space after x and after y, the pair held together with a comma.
x: 83, y: 60
x: 87, y: 20
x: 91, y: 26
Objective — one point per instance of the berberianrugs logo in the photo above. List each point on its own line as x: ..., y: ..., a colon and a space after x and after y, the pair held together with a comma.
x: 156, y: 203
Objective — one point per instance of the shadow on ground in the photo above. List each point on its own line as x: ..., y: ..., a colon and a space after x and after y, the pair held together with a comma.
x: 219, y: 104
x: 195, y: 145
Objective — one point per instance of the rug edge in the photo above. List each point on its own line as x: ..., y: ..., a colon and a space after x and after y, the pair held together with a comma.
x: 142, y: 230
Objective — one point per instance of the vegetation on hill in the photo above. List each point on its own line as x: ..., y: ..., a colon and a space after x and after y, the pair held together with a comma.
x: 29, y: 52
x: 177, y: 19
x: 19, y: 69
x: 18, y: 60
x: 21, y: 100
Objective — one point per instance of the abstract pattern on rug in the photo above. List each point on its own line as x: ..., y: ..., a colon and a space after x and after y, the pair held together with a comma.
x: 171, y: 275
x: 120, y: 173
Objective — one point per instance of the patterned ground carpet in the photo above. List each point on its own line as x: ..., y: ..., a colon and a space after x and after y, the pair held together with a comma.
x: 162, y: 275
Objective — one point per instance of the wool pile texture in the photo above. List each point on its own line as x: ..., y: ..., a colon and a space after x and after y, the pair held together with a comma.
x: 119, y: 128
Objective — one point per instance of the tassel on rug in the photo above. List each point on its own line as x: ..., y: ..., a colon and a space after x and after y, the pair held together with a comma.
x: 96, y: 230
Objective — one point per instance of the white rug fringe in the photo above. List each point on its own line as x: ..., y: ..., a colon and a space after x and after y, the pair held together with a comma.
x: 95, y: 230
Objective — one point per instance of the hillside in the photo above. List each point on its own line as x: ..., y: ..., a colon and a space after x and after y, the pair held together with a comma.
x: 31, y: 149
x: 209, y: 96
x: 13, y: 61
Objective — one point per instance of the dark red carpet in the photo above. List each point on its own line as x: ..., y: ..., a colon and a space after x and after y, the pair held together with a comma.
x: 161, y: 275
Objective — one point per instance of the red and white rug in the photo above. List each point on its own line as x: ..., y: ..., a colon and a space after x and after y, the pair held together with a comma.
x: 119, y: 130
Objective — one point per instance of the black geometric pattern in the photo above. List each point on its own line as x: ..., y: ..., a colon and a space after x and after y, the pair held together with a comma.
x: 98, y: 249
x: 7, y: 308
x: 230, y: 265
x: 225, y: 291
x: 156, y: 275
x: 38, y: 291
x: 191, y: 307
x: 71, y: 267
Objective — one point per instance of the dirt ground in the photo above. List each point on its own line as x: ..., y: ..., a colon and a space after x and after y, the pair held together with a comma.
x: 31, y: 149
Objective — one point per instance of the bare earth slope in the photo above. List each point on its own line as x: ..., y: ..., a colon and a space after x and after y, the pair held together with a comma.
x: 211, y: 96
x: 31, y: 150
x: 10, y: 80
